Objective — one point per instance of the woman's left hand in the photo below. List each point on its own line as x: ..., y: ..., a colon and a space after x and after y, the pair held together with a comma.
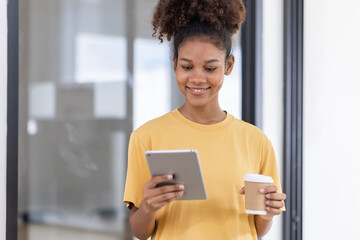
x: 274, y: 201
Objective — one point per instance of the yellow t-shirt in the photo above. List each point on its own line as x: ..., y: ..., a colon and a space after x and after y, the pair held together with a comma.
x: 227, y: 150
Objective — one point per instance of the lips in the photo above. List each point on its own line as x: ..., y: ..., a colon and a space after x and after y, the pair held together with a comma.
x: 197, y: 91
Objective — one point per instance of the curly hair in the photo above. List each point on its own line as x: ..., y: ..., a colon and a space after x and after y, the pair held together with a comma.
x: 217, y: 20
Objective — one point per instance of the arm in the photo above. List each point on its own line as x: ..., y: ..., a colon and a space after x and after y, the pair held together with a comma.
x: 142, y: 223
x: 262, y: 225
x: 274, y: 204
x: 142, y: 219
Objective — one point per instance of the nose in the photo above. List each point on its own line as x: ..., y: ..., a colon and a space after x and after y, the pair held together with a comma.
x: 197, y: 77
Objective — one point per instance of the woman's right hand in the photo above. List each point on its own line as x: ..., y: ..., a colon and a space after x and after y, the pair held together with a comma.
x: 157, y: 197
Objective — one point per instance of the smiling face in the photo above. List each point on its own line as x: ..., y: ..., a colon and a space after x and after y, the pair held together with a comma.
x: 200, y: 70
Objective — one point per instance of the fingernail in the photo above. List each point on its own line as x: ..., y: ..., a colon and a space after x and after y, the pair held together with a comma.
x: 180, y: 193
x: 181, y: 187
x: 262, y: 190
x: 267, y: 202
x: 267, y: 195
x: 267, y: 208
x: 169, y: 176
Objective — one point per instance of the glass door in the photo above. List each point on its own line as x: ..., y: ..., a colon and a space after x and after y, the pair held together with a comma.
x: 75, y: 119
x: 88, y: 77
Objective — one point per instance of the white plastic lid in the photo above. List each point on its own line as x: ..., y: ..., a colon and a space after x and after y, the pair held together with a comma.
x: 258, y: 178
x: 256, y: 212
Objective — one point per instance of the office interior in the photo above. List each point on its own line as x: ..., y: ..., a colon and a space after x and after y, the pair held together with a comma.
x: 90, y: 73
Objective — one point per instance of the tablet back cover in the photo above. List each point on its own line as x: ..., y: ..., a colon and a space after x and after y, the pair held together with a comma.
x: 184, y: 165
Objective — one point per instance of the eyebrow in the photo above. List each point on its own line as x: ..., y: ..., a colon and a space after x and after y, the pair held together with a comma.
x: 208, y: 61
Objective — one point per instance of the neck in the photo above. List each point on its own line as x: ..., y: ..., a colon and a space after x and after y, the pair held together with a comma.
x: 203, y: 115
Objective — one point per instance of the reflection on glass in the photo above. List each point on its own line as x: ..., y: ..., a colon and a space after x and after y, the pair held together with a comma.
x: 152, y: 78
x: 42, y: 100
x: 96, y: 60
x: 74, y: 121
x: 86, y: 81
x: 230, y: 94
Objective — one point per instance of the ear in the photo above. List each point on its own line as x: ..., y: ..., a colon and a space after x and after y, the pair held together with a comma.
x: 229, y: 64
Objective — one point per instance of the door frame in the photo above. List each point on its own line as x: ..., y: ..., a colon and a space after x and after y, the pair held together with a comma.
x: 12, y: 120
x: 293, y: 118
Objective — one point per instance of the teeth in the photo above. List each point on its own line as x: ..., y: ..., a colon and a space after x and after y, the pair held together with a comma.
x: 198, y: 90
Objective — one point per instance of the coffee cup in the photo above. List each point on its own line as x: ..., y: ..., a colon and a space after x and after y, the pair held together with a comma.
x: 254, y: 199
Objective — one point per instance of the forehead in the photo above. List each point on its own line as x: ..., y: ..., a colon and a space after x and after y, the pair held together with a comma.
x: 200, y: 48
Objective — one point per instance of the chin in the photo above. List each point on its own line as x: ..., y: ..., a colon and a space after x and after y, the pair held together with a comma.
x: 196, y: 104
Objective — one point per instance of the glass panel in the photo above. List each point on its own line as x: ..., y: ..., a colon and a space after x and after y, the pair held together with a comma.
x: 74, y: 121
x: 331, y: 121
x: 88, y: 77
x: 151, y: 80
x: 230, y: 94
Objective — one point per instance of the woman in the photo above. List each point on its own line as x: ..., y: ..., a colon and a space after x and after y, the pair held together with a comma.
x: 229, y: 148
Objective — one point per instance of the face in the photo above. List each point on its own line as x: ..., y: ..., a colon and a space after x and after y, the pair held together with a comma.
x: 200, y: 70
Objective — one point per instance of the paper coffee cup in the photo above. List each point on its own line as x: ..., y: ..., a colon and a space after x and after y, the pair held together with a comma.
x: 254, y: 199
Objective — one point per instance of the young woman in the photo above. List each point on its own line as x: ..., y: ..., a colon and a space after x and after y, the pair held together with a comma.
x: 229, y: 148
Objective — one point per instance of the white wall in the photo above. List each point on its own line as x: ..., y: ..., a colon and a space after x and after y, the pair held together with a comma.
x: 273, y: 23
x: 331, y: 120
x: 3, y: 91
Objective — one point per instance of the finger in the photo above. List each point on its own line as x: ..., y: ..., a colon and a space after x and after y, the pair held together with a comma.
x: 269, y: 189
x: 273, y: 211
x: 275, y: 204
x: 158, y: 179
x: 276, y: 196
x: 242, y: 190
x: 168, y: 188
x: 164, y: 199
x: 153, y: 192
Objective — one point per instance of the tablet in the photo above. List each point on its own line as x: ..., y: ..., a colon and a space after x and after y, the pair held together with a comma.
x: 185, y: 167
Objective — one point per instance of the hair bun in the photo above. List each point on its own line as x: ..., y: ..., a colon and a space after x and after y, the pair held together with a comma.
x: 171, y: 15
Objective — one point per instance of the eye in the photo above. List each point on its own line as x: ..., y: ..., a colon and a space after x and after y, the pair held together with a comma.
x: 210, y: 69
x: 186, y: 68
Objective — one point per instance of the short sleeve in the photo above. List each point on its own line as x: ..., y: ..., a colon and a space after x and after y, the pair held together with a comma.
x: 269, y: 165
x: 137, y: 172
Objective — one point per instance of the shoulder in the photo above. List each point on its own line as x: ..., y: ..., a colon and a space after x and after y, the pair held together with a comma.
x: 250, y: 131
x: 247, y: 127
